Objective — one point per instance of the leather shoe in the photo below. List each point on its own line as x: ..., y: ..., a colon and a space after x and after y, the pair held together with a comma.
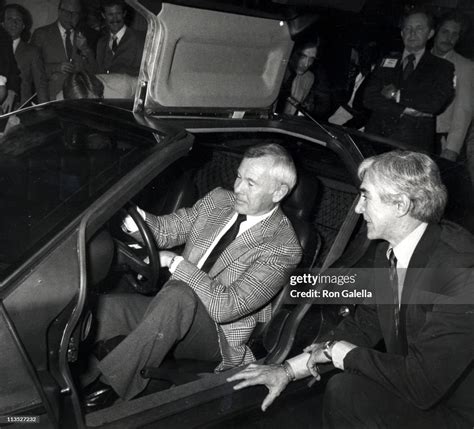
x: 98, y: 395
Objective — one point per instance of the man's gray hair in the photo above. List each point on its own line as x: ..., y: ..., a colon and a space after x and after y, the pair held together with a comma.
x: 283, y: 169
x: 411, y: 173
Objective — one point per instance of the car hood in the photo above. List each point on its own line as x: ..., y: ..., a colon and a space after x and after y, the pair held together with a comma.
x: 210, y: 61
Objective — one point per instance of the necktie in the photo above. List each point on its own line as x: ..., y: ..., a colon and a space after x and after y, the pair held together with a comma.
x: 394, y: 283
x: 409, y: 66
x: 68, y: 45
x: 114, y: 45
x: 222, y: 244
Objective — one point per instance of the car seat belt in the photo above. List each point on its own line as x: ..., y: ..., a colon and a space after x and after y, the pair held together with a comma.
x: 342, y: 237
x: 335, y: 252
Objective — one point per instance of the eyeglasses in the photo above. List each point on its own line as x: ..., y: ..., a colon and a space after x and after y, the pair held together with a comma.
x: 69, y: 12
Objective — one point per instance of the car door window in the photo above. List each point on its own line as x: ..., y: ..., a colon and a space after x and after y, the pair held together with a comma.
x: 53, y: 164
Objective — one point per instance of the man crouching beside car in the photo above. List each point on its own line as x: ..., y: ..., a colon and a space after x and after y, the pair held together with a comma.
x: 239, y: 251
x: 424, y: 313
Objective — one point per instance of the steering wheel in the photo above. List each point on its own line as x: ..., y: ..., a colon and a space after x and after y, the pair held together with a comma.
x: 144, y: 276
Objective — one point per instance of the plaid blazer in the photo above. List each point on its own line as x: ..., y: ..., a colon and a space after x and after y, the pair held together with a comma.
x: 239, y: 288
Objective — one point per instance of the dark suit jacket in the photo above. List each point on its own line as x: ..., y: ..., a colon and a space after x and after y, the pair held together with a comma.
x: 432, y: 363
x: 429, y: 89
x: 8, y: 66
x: 50, y: 43
x: 239, y: 288
x: 33, y: 74
x: 128, y: 57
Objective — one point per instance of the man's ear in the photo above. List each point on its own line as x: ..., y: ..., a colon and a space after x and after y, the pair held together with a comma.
x: 280, y: 193
x: 103, y: 14
x: 403, y: 205
x: 432, y: 33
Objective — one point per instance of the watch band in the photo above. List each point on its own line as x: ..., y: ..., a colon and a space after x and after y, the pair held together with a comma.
x: 327, y: 348
x: 175, y: 261
x: 289, y: 371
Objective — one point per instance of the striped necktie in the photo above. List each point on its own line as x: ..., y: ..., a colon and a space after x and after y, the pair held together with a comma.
x: 394, y: 284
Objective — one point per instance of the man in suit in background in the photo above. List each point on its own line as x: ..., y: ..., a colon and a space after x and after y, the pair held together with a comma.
x: 423, y: 312
x: 121, y: 49
x: 453, y: 123
x: 239, y: 251
x: 33, y: 76
x: 63, y: 47
x: 9, y: 74
x: 406, y: 93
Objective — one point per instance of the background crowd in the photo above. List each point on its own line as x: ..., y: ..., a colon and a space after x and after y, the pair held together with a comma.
x: 99, y: 44
x: 416, y: 89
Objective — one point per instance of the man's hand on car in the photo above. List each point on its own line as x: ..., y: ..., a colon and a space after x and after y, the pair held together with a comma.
x: 274, y: 377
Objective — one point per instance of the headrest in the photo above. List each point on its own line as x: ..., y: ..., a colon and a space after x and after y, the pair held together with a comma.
x: 301, y: 202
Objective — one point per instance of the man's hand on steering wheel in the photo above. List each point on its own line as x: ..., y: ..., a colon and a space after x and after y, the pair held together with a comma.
x: 144, y: 276
x: 129, y: 226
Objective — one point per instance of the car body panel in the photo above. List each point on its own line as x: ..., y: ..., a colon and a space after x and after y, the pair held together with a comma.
x: 208, y: 82
x: 202, y: 59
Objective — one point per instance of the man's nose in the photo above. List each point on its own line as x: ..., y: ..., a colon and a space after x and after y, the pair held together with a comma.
x: 360, y: 207
x: 237, y: 185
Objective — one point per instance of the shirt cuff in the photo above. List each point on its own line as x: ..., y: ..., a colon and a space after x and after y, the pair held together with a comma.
x: 174, y: 263
x: 298, y: 365
x: 339, y: 351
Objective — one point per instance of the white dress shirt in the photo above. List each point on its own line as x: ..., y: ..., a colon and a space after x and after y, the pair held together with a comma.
x: 417, y: 55
x: 118, y: 35
x: 62, y: 30
x: 16, y: 42
x: 403, y: 252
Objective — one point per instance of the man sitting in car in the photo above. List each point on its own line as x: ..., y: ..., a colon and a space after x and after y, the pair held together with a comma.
x: 239, y: 251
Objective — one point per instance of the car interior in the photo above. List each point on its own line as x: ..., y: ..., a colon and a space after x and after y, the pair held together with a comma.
x: 67, y: 165
x: 320, y: 209
x: 62, y: 175
x: 317, y: 208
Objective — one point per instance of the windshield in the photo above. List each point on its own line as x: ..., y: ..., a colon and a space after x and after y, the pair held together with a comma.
x: 54, y: 162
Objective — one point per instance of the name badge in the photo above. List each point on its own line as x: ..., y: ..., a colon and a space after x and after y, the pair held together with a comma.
x: 389, y: 62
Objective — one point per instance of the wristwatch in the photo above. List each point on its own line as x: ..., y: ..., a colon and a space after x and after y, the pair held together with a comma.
x: 290, y: 374
x: 327, y: 348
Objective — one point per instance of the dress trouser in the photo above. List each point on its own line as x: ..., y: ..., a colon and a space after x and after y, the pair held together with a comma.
x: 175, y: 316
x: 354, y: 401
